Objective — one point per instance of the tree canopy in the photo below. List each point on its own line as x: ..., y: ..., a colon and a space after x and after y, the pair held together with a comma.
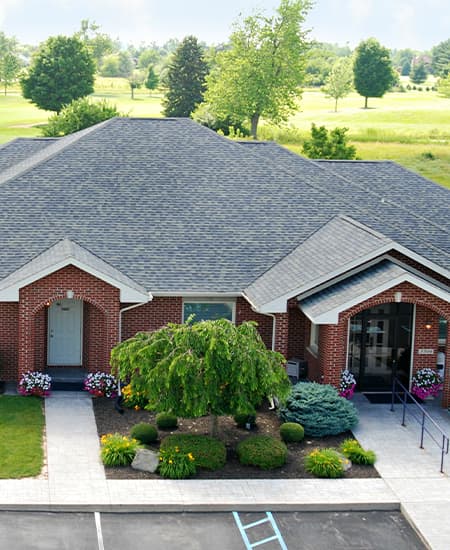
x: 61, y: 70
x: 207, y: 368
x: 440, y: 60
x: 185, y: 79
x: 260, y: 75
x: 419, y: 73
x: 340, y: 80
x: 372, y: 68
x: 328, y: 145
x: 9, y: 61
x: 79, y: 114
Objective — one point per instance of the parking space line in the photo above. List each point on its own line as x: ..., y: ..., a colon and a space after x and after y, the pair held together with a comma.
x: 269, y: 518
x: 98, y: 526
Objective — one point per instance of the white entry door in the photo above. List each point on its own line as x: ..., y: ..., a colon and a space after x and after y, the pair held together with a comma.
x: 65, y: 333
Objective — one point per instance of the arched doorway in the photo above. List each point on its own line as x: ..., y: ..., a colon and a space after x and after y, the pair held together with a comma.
x: 380, y: 343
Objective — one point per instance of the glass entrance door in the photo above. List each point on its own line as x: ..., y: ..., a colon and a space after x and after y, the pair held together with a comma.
x: 380, y: 346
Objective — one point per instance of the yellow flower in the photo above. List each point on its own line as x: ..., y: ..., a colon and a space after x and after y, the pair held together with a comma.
x: 170, y: 461
x: 136, y: 407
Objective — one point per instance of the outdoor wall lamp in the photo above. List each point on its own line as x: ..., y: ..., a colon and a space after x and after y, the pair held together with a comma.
x: 69, y: 294
x: 398, y: 297
x: 428, y: 325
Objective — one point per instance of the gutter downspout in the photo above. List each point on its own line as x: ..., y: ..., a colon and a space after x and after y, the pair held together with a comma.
x: 123, y: 310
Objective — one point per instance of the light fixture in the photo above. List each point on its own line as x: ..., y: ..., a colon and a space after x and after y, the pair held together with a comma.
x: 398, y: 297
x: 428, y: 325
x: 69, y: 294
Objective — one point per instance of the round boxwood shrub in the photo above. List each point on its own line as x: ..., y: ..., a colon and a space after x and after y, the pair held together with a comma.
x: 319, y: 409
x: 291, y: 432
x: 144, y: 432
x: 166, y: 421
x: 242, y: 419
x: 352, y: 449
x: 263, y: 451
x: 208, y: 452
x: 325, y: 463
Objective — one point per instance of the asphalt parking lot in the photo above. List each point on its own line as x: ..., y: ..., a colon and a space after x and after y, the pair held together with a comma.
x: 205, y: 531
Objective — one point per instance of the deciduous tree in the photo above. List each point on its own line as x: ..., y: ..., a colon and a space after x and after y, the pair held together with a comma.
x: 260, y: 75
x: 9, y: 61
x: 61, y: 70
x: 340, y: 80
x: 209, y: 368
x: 372, y: 68
x: 418, y: 74
x: 79, y: 114
x: 185, y: 79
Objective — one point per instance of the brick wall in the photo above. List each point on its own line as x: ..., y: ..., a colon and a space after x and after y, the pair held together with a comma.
x: 244, y: 312
x: 151, y: 316
x: 9, y: 351
x: 428, y: 307
x: 102, y: 318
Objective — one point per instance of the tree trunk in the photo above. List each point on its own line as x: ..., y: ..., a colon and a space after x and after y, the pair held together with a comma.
x: 214, y: 425
x: 254, y: 129
x: 132, y: 92
x: 365, y: 103
x: 335, y: 106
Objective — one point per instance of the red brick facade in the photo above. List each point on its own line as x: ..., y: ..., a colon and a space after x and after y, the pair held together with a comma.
x: 24, y: 326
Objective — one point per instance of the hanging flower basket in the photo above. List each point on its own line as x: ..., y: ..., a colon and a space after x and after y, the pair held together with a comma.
x: 426, y: 382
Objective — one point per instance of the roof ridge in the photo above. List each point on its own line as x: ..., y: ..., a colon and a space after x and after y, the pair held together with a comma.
x: 60, y: 144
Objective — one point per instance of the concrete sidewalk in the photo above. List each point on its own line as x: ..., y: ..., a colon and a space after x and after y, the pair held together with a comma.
x: 76, y: 479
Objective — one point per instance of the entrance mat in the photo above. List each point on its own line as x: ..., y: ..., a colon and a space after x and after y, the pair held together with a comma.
x: 386, y: 398
x: 67, y: 386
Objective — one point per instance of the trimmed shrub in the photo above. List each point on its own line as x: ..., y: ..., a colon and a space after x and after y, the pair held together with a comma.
x: 145, y: 433
x: 175, y: 464
x: 319, y: 409
x: 209, y: 453
x: 166, y: 421
x: 325, y: 463
x: 291, y: 432
x: 353, y: 451
x: 117, y: 450
x: 263, y: 451
x: 242, y: 419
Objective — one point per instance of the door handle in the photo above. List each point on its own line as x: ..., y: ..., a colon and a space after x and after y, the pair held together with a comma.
x: 51, y: 334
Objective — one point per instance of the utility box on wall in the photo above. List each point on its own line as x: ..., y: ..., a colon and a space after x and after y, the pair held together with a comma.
x: 297, y: 368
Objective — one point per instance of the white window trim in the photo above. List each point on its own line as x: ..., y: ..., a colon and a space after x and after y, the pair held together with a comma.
x: 232, y: 303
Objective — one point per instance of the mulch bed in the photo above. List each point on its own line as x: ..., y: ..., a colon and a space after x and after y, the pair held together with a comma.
x: 110, y: 421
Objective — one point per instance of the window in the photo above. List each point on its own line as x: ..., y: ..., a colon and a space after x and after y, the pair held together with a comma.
x: 442, y: 331
x: 314, y: 338
x: 209, y: 310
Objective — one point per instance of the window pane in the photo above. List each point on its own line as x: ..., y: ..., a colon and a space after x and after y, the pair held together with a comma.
x: 210, y: 311
x: 442, y: 329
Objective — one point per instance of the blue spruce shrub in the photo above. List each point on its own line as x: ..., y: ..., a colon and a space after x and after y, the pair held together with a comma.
x: 319, y: 409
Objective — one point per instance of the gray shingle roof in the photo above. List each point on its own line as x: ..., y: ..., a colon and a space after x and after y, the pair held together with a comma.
x: 338, y: 246
x: 353, y: 289
x: 19, y: 149
x: 177, y: 208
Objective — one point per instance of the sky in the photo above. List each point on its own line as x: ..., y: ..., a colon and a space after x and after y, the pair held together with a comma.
x: 416, y: 24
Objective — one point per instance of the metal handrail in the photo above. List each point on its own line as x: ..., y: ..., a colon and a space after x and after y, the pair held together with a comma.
x: 403, y: 396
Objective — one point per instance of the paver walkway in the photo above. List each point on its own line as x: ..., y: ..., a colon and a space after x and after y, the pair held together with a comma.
x: 76, y: 478
x: 412, y: 473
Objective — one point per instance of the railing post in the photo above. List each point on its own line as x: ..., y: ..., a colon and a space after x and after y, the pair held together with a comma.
x: 422, y: 431
x: 404, y: 410
x: 393, y: 395
x: 443, y: 452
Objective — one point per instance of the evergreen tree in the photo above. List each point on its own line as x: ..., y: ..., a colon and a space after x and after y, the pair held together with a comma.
x: 440, y: 60
x: 328, y: 145
x: 372, y: 69
x: 152, y: 80
x: 185, y: 79
x: 418, y: 74
x: 61, y: 70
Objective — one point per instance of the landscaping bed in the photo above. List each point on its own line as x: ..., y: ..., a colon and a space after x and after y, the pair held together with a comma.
x: 110, y: 421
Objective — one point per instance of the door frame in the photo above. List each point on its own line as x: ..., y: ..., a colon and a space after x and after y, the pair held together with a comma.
x: 81, y: 311
x: 360, y: 383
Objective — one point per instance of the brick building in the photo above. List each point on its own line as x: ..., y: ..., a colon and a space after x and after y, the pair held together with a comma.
x: 134, y: 223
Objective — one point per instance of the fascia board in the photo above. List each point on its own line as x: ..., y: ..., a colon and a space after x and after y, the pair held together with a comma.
x: 331, y: 317
x: 127, y: 293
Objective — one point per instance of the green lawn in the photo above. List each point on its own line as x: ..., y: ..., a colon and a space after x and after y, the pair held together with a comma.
x: 21, y: 436
x: 402, y: 127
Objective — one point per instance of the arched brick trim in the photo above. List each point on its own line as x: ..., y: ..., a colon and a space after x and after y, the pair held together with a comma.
x: 102, y: 297
x: 333, y: 356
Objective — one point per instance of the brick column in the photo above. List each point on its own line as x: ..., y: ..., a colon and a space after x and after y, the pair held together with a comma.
x: 446, y: 391
x: 282, y: 333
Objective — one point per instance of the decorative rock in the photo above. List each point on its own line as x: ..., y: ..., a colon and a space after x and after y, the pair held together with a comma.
x: 146, y: 461
x: 346, y: 463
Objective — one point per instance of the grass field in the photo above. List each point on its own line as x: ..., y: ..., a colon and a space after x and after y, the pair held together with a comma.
x: 411, y: 128
x: 21, y: 429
